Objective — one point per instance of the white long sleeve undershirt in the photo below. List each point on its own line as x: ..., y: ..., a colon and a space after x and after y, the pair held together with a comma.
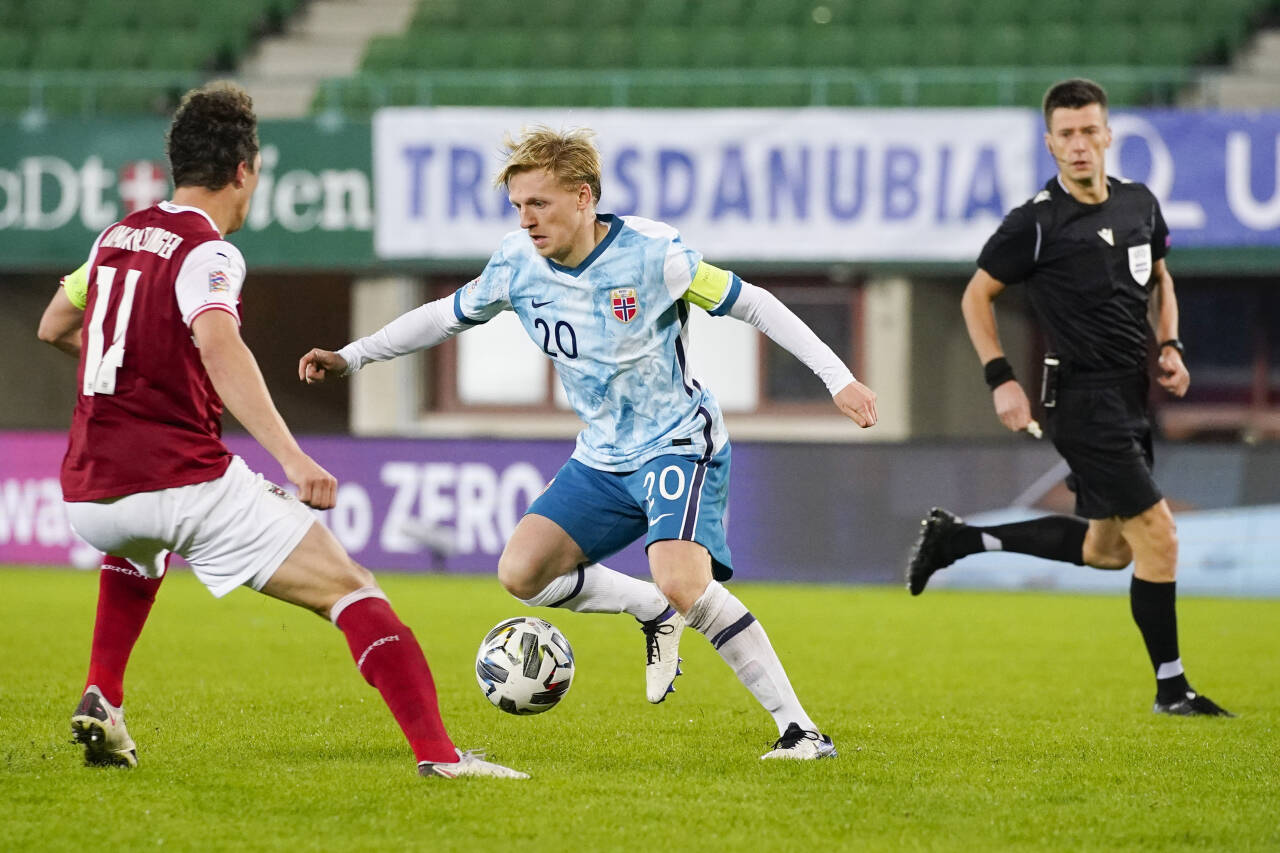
x: 762, y: 309
x: 421, y: 328
x: 435, y: 322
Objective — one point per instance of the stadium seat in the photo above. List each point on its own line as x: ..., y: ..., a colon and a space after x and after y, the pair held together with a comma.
x: 936, y: 14
x: 1054, y: 44
x: 663, y: 47
x: 605, y: 13
x: 13, y: 50
x: 555, y: 49
x: 719, y: 47
x: 60, y: 48
x: 500, y: 48
x: 115, y: 48
x: 1166, y: 44
x: 771, y: 47
x: 387, y: 53
x: 885, y: 47
x: 611, y: 47
x: 941, y: 45
x: 179, y: 52
x: 717, y: 13
x: 443, y: 51
x: 662, y: 13
x: 1002, y: 46
x: 882, y: 13
x: 830, y: 47
x: 480, y: 15
x: 989, y: 14
x: 781, y: 13
x: 1116, y: 43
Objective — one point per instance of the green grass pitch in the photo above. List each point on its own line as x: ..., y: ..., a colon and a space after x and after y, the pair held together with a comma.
x: 965, y: 721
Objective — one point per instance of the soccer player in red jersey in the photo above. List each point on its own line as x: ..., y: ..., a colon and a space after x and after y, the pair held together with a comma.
x: 125, y: 595
x: 146, y: 472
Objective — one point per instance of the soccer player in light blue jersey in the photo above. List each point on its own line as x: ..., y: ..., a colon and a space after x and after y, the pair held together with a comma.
x: 607, y: 299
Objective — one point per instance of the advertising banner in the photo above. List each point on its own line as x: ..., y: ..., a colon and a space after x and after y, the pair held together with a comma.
x: 1217, y: 175
x: 797, y: 512
x: 65, y: 181
x: 797, y: 185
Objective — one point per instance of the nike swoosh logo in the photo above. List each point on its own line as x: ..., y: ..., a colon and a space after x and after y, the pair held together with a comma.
x: 537, y: 304
x: 654, y: 521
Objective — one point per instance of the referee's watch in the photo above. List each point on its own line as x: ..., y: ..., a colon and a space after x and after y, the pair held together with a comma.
x: 1176, y: 344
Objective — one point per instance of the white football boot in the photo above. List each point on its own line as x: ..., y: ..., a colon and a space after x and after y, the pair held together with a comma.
x: 801, y: 745
x: 469, y: 763
x: 662, y: 653
x: 99, y: 726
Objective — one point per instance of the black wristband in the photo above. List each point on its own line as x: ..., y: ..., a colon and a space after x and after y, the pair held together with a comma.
x: 997, y: 371
x: 1176, y: 344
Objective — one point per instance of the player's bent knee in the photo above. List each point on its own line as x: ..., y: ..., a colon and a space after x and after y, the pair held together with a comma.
x: 1112, y: 559
x: 518, y: 576
x: 682, y: 592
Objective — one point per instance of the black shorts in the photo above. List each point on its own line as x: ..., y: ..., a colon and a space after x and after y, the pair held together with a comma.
x: 1101, y: 426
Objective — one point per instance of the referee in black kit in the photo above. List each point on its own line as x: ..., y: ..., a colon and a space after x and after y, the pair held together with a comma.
x: 1090, y: 250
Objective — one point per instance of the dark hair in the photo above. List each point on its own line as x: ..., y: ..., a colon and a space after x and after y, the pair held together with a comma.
x: 1072, y: 95
x: 214, y: 130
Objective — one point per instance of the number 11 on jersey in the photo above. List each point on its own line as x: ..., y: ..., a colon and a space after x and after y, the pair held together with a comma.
x: 100, y: 367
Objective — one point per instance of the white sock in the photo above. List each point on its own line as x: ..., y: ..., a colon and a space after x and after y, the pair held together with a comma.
x: 743, y: 644
x: 598, y: 589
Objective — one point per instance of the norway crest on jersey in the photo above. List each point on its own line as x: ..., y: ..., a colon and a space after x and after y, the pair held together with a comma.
x: 625, y: 306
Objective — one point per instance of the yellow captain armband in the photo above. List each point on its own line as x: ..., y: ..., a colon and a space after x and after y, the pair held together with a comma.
x: 76, y: 286
x: 710, y: 287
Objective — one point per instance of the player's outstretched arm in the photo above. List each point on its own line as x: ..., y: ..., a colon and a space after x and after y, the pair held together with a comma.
x: 235, y: 376
x: 1010, y: 401
x: 762, y: 309
x: 419, y: 329
x: 60, y: 324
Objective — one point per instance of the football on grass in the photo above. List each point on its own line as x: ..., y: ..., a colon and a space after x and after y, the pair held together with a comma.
x: 524, y: 665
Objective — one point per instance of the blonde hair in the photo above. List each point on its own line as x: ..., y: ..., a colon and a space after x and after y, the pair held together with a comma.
x: 569, y: 155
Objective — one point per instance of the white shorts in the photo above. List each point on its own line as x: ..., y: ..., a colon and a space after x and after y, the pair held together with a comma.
x: 234, y: 530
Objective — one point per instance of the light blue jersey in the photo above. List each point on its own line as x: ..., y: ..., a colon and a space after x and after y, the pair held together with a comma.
x: 616, y: 329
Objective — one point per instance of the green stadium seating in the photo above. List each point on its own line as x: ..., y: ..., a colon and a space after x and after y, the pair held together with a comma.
x: 500, y: 48
x: 942, y: 45
x: 663, y: 47
x: 779, y: 13
x: 771, y: 47
x: 13, y: 50
x: 1055, y: 44
x: 115, y: 48
x: 717, y: 13
x: 1105, y: 44
x: 885, y: 47
x: 611, y: 47
x: 60, y: 49
x: 556, y: 49
x: 830, y: 46
x: 663, y: 13
x: 882, y: 13
x: 719, y: 47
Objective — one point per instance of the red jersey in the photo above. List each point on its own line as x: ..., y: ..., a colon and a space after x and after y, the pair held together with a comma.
x: 147, y: 417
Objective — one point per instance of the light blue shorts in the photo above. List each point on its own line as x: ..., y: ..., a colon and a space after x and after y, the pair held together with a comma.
x: 671, y: 497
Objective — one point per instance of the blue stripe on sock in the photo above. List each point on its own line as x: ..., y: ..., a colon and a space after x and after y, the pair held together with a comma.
x: 733, y: 630
x: 577, y: 588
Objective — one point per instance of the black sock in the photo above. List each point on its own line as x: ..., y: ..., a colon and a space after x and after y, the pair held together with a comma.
x: 1054, y: 537
x: 1155, y: 611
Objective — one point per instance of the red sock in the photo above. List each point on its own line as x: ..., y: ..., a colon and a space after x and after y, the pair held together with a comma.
x: 389, y: 657
x: 125, y: 597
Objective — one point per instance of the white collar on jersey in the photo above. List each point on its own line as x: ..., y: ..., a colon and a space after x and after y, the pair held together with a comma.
x: 170, y: 207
